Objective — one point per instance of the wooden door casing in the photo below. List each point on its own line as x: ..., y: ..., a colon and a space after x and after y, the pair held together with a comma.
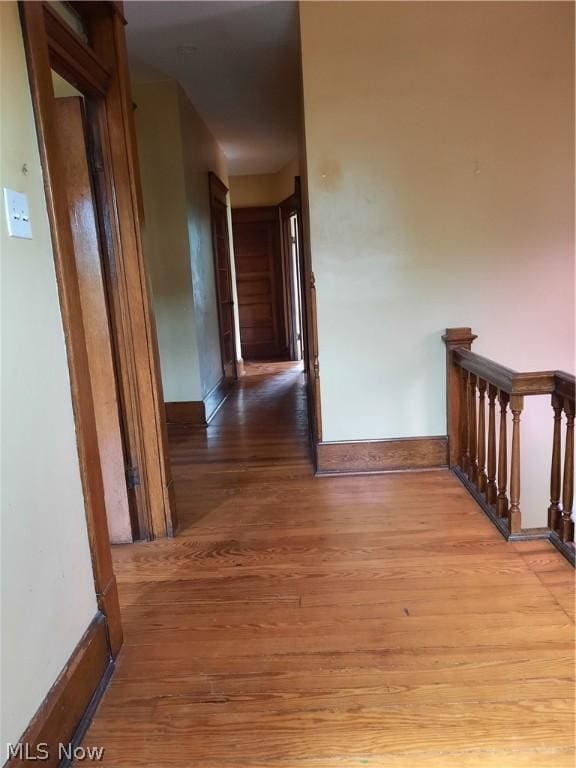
x: 260, y: 283
x: 223, y: 273
x: 82, y: 209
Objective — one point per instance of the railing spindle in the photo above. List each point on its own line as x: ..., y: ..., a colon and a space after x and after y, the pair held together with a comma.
x: 567, y: 526
x: 491, y: 481
x: 555, y: 510
x: 502, y: 498
x: 472, y: 431
x: 481, y: 482
x: 478, y: 449
x: 514, y: 518
x: 465, y: 423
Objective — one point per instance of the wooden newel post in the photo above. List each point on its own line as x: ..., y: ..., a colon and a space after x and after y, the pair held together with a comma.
x: 455, y: 392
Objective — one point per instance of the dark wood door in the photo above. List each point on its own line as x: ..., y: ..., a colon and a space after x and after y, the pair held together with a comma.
x: 259, y: 280
x: 223, y: 274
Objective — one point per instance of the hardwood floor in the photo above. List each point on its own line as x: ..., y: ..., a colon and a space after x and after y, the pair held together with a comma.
x: 302, y: 622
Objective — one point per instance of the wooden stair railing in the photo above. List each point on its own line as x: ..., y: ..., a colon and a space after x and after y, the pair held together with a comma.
x: 481, y: 392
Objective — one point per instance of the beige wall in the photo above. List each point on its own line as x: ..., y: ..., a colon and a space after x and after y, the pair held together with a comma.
x: 176, y: 151
x: 263, y: 189
x: 439, y: 143
x: 165, y: 236
x: 48, y: 595
x: 201, y: 154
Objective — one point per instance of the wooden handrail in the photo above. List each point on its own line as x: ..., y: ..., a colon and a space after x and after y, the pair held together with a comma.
x: 478, y: 454
x: 565, y: 385
x: 508, y: 380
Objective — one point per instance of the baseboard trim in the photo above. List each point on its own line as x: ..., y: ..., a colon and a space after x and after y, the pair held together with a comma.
x: 564, y: 548
x: 66, y: 712
x: 498, y: 522
x: 190, y: 412
x: 369, y: 456
x: 199, y: 413
x: 216, y: 398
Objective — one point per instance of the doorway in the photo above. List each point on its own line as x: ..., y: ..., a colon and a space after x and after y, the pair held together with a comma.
x: 269, y: 281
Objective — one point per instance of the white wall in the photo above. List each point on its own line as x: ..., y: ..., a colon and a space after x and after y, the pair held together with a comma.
x: 440, y: 161
x: 47, y: 594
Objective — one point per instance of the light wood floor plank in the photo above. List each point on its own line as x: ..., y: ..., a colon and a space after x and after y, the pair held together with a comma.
x: 302, y: 622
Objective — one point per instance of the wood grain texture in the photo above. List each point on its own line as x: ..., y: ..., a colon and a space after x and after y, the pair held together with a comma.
x: 260, y: 282
x: 382, y: 455
x: 136, y: 329
x: 190, y: 412
x: 83, y: 222
x: 61, y: 713
x: 357, y: 620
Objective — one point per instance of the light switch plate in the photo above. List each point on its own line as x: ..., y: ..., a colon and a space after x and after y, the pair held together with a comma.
x: 17, y: 214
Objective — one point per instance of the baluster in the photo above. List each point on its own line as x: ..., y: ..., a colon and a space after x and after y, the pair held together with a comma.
x: 472, y: 435
x: 481, y: 482
x: 464, y: 422
x: 491, y: 481
x: 514, y: 517
x: 567, y: 526
x: 502, y: 499
x: 555, y: 510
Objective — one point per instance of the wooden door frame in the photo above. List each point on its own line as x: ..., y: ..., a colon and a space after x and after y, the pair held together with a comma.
x: 309, y: 317
x: 100, y: 71
x: 218, y: 192
x: 288, y: 208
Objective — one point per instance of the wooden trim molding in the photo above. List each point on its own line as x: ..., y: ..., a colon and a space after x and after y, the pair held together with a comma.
x: 199, y: 413
x: 39, y: 67
x: 363, y: 456
x: 216, y: 397
x: 72, y: 58
x: 189, y: 412
x: 65, y: 713
x: 130, y: 287
x: 100, y: 71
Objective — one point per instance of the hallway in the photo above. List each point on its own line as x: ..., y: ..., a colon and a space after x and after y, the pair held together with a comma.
x: 332, y: 622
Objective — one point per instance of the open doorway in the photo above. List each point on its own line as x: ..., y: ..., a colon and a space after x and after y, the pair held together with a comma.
x: 295, y: 300
x: 269, y: 280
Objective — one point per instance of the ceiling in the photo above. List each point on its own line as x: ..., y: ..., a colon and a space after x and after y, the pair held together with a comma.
x: 239, y: 64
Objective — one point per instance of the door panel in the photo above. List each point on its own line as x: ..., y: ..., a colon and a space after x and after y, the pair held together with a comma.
x: 259, y: 281
x: 223, y: 274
